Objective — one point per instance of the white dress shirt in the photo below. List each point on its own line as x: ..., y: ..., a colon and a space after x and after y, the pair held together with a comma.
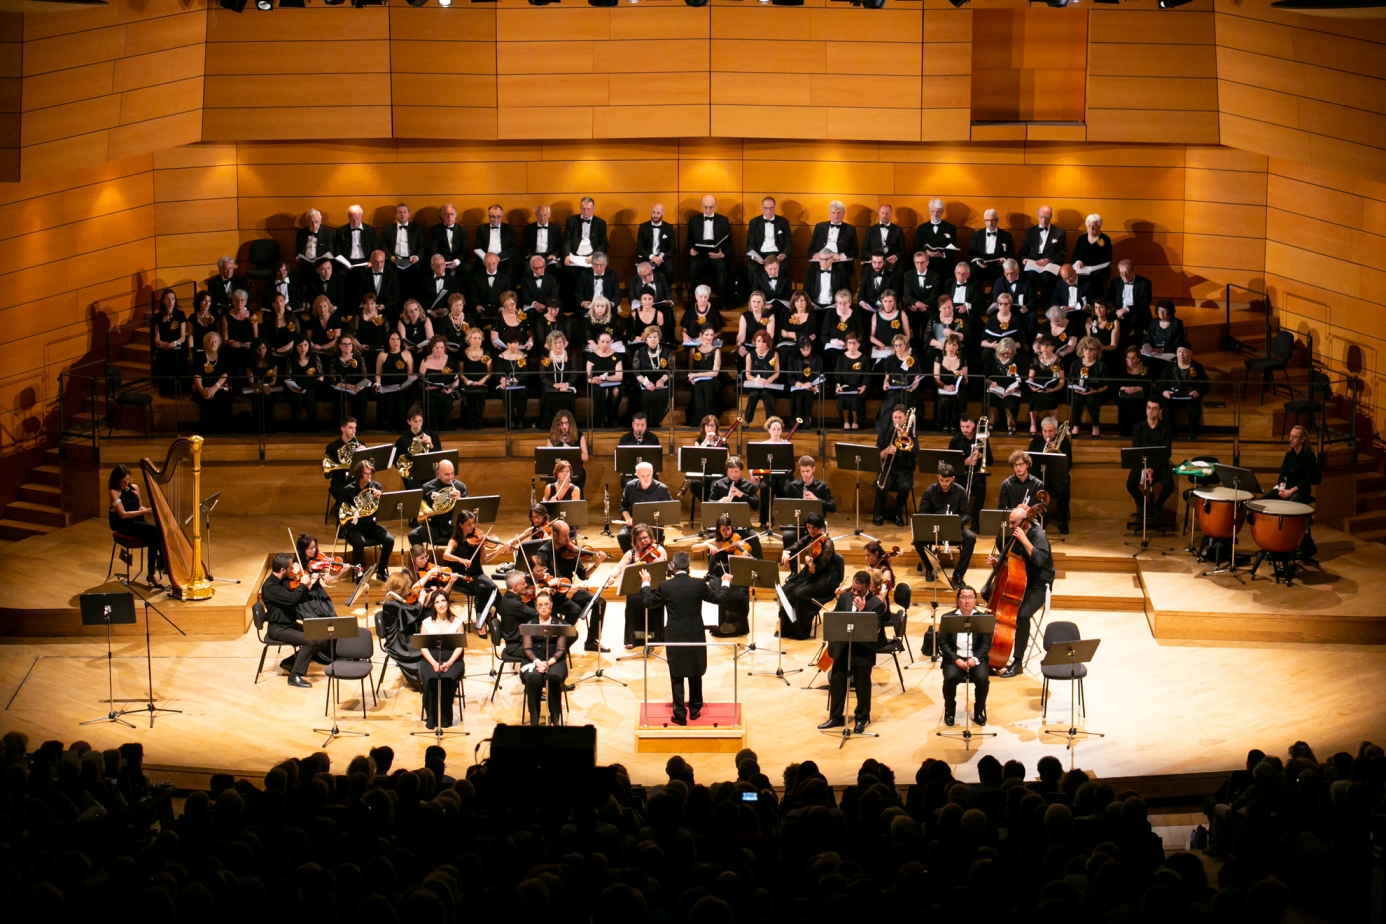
x: 585, y: 245
x: 541, y: 239
x: 707, y: 229
x: 311, y: 249
x: 768, y: 245
x: 494, y: 244
x: 1128, y: 295
x: 833, y: 231
x: 356, y: 253
x: 991, y: 243
x: 401, y: 241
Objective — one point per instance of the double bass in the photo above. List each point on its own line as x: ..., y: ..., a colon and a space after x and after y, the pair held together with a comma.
x: 1008, y: 589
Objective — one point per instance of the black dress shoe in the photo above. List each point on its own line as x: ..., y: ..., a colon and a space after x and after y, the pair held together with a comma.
x: 695, y: 714
x: 1012, y: 670
x: 859, y: 726
x: 296, y: 681
x: 899, y: 521
x: 949, y: 718
x: 929, y: 574
x: 919, y: 566
x: 287, y: 664
x: 678, y: 720
x: 832, y: 723
x: 878, y: 521
x: 979, y: 717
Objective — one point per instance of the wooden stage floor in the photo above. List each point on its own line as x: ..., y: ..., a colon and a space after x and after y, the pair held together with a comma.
x: 1166, y: 705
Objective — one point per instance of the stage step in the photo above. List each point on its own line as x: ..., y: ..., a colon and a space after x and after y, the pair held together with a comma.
x: 1105, y: 591
x: 1371, y: 501
x: 29, y: 512
x: 1361, y: 524
x: 47, y: 474
x: 44, y: 494
x: 15, y: 530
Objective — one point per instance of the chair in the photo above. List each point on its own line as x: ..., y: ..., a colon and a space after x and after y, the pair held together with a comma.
x: 351, y: 660
x: 129, y: 544
x: 257, y: 613
x: 1054, y: 633
x: 382, y: 633
x: 1312, y: 403
x: 123, y: 399
x: 1277, y: 360
x: 904, y: 595
x: 498, y: 650
x: 263, y: 255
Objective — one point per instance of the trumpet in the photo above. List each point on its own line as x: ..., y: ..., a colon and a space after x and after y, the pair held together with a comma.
x: 903, y: 442
x: 343, y: 461
x: 405, y: 463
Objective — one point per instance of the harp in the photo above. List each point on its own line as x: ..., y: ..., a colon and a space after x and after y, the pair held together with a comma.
x: 182, y: 554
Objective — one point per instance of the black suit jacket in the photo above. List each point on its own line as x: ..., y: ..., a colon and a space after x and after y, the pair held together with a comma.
x: 529, y: 242
x: 840, y: 275
x: 948, y: 643
x: 514, y: 613
x: 755, y: 236
x: 682, y: 598
x: 668, y: 242
x: 1005, y: 247
x: 1018, y: 289
x: 431, y: 298
x: 846, y: 241
x: 414, y: 235
x: 486, y: 298
x: 915, y: 291
x: 324, y: 237
x: 221, y: 289
x: 281, y: 603
x: 481, y: 239
x: 536, y: 289
x: 611, y: 286
x: 342, y: 239
x: 387, y: 296
x: 1141, y: 291
x: 657, y: 284
x: 1054, y: 249
x: 974, y: 293
x: 933, y: 239
x: 1061, y: 290
x: 780, y: 292
x: 894, y: 245
x: 572, y: 234
x: 863, y: 652
x: 721, y: 231
x: 438, y: 243
x: 870, y: 291
x: 334, y: 288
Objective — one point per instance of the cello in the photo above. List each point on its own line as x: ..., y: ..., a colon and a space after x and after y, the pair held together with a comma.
x: 1008, y: 589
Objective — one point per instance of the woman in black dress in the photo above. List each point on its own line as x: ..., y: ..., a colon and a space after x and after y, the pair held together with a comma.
x: 950, y: 378
x: 453, y: 324
x: 1105, y: 326
x: 322, y: 328
x: 1089, y: 375
x: 393, y: 367
x: 559, y: 373
x: 548, y: 664
x: 126, y: 517
x: 262, y: 381
x: 279, y: 327
x: 212, y: 386
x: 1000, y: 324
x: 601, y: 317
x: 514, y: 368
x: 441, y: 668
x: 1094, y: 252
x: 370, y: 332
x: 171, y: 338
x: 303, y: 383
x: 604, y: 374
x: 643, y: 316
x: 440, y: 385
x: 762, y: 368
x: 238, y: 329
x: 416, y: 328
x: 1046, y: 381
x: 756, y: 318
x: 1132, y: 390
x: 203, y: 322
x: 799, y: 326
x: 347, y: 375
x: 511, y: 325
x: 475, y: 378
x: 849, y: 381
x: 1164, y: 335
x: 805, y: 380
x: 700, y: 314
x: 888, y: 322
x: 552, y: 319
x: 1063, y: 330
x: 562, y: 488
x: 653, y: 371
x: 1006, y: 375
x: 704, y: 378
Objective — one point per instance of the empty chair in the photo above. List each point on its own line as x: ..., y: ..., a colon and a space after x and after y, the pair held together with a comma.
x: 351, y: 660
x: 1277, y: 360
x: 1054, y: 633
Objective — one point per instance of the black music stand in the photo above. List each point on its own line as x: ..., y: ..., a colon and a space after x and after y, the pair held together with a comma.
x: 1140, y: 458
x: 695, y: 462
x: 1071, y: 654
x: 739, y: 511
x: 630, y: 586
x: 419, y: 641
x: 329, y: 629
x: 485, y: 506
x: 753, y: 574
x: 546, y: 457
x: 628, y: 457
x: 108, y: 610
x: 1052, y: 469
x: 431, y: 459
x: 775, y: 459
x: 927, y: 460
x: 990, y: 522
x: 657, y: 514
x: 932, y: 530
x: 555, y: 629
x: 574, y: 513
x: 852, y: 628
x: 382, y: 457
x: 796, y: 509
x: 963, y: 627
x: 149, y: 706
x: 859, y: 458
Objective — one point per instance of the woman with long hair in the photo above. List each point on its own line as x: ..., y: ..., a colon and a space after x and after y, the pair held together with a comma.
x: 441, y: 669
x: 171, y: 339
x: 126, y: 517
x: 563, y: 431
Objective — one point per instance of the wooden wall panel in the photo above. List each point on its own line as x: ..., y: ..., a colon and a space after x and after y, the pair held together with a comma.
x: 11, y: 93
x: 443, y: 65
x: 945, y: 98
x: 1303, y: 88
x: 1152, y: 74
x: 1029, y: 64
x: 110, y: 83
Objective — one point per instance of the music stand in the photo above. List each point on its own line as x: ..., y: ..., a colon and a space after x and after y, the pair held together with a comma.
x: 431, y: 459
x: 858, y: 458
x: 1135, y: 458
x: 546, y: 457
x: 485, y: 506
x: 927, y: 460
x: 556, y: 629
x: 599, y: 674
x: 739, y: 511
x: 1052, y: 468
x: 419, y: 641
x: 931, y: 530
x: 382, y: 456
x: 850, y: 627
x: 208, y: 504
x: 574, y: 513
x: 774, y: 459
x: 963, y: 627
x: 1071, y: 654
x: 754, y: 573
x: 696, y: 462
x: 796, y: 509
x: 992, y: 521
x: 630, y: 586
x: 658, y: 514
x: 329, y: 629
x: 107, y: 610
x: 628, y: 457
x: 149, y: 706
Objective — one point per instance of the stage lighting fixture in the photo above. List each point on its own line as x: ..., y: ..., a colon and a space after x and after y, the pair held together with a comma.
x: 1171, y: 4
x: 602, y: 2
x: 1057, y: 4
x: 359, y: 4
x: 445, y: 3
x: 333, y: 2
x: 264, y: 5
x: 416, y: 2
x: 873, y: 4
x: 696, y: 2
x: 234, y: 6
x: 959, y: 4
x: 788, y: 2
x: 294, y: 4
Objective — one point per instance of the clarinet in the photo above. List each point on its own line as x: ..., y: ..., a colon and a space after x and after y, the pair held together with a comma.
x: 606, y: 510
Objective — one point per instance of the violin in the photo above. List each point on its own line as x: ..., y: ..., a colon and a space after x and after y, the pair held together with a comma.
x: 573, y: 550
x: 650, y: 555
x: 437, y: 572
x: 732, y: 546
x: 813, y: 550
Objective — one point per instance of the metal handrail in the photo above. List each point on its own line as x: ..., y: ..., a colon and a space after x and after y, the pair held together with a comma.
x: 1227, y: 314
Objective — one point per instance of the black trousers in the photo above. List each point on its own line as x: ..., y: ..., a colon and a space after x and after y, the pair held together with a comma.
x: 953, y: 675
x: 551, y: 681
x: 636, y: 620
x: 570, y: 609
x: 364, y: 534
x: 1130, y: 411
x: 803, y: 596
x: 721, y: 274
x: 306, y: 650
x: 153, y: 541
x: 965, y: 549
x: 1163, y: 477
x: 1030, y: 604
x: 1092, y: 403
x: 837, y: 690
x: 1193, y: 413
x: 802, y: 403
x: 901, y: 481
x: 695, y: 694
x: 654, y: 403
x: 432, y: 681
x: 765, y: 396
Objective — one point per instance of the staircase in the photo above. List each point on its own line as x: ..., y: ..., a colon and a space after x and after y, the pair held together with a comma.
x: 39, y: 508
x: 1369, y: 523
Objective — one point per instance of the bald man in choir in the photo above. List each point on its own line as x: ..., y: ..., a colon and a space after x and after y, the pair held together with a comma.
x: 839, y: 238
x: 656, y: 243
x: 646, y: 280
x: 543, y: 237
x: 313, y: 240
x: 355, y: 240
x: 537, y: 285
x: 1045, y: 243
x: 225, y: 281
x: 495, y: 236
x: 936, y: 237
x: 709, y: 248
x: 886, y: 238
x: 767, y: 236
x: 380, y: 278
x: 991, y: 246
x: 448, y: 239
x: 1130, y: 293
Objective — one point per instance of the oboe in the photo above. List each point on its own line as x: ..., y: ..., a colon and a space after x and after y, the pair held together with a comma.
x: 606, y: 510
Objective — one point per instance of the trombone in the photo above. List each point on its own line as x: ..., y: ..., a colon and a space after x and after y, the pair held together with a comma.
x: 904, y: 442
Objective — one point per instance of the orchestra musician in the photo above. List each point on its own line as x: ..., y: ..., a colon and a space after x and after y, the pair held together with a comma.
x: 427, y: 440
x: 567, y: 563
x: 1032, y: 545
x: 441, y: 666
x: 1048, y: 440
x: 547, y: 663
x: 774, y: 484
x: 805, y: 487
x: 333, y: 451
x: 898, y: 452
x: 467, y: 551
x: 811, y: 583
x: 734, y: 605
x: 733, y: 487
x: 1021, y: 487
x: 882, y: 582
x: 855, y: 599
x: 400, y: 620
x: 563, y: 433
x: 285, y: 625
x: 516, y: 608
x: 1156, y: 434
x: 1299, y: 472
x: 562, y: 487
x: 361, y: 529
x: 126, y: 517
x: 423, y: 575
x: 437, y: 529
x: 681, y: 598
x: 643, y: 488
x: 646, y: 623
x: 949, y: 498
x: 965, y: 661
x: 965, y: 441
x: 540, y: 528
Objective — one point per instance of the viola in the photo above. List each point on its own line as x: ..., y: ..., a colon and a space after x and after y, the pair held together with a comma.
x: 438, y: 572
x: 814, y: 549
x: 650, y: 555
x: 1008, y: 589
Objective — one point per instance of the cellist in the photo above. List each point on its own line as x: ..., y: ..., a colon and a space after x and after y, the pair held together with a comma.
x: 1028, y: 542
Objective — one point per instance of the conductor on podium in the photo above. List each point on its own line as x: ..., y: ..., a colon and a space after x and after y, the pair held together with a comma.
x: 855, y: 599
x: 682, y: 598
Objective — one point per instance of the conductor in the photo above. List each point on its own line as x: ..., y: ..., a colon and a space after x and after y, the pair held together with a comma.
x: 965, y: 660
x: 682, y: 598
x: 855, y: 599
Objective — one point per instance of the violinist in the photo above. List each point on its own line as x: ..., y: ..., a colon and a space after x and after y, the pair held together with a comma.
x: 878, y: 561
x: 467, y: 551
x: 546, y: 664
x: 642, y: 623
x: 516, y: 608
x: 898, y: 449
x: 734, y: 487
x: 423, y: 575
x: 965, y: 660
x: 360, y: 529
x: 414, y: 441
x: 399, y: 622
x: 441, y: 493
x: 734, y: 605
x: 562, y: 487
x: 284, y: 622
x: 325, y: 570
x: 440, y: 665
x: 643, y: 488
x: 947, y: 497
x: 805, y: 487
x: 816, y: 581
x: 1031, y: 545
x: 569, y: 563
x: 855, y: 599
x: 1049, y: 440
x: 540, y: 528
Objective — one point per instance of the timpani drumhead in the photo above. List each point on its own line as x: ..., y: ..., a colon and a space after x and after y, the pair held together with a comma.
x: 1224, y: 494
x: 1280, y: 508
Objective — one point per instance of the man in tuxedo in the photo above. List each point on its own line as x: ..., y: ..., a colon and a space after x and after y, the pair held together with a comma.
x: 583, y: 235
x: 824, y: 278
x: 682, y: 598
x: 225, y: 281
x: 886, y: 238
x: 542, y: 238
x: 1044, y: 244
x: 403, y: 244
x: 773, y: 283
x: 1131, y: 296
x: 1068, y: 291
x: 837, y: 237
x: 378, y: 276
x: 537, y: 287
x: 876, y: 279
x: 495, y: 237
x: 921, y: 286
x: 284, y: 623
x: 709, y: 248
x: 488, y: 282
x: 1015, y: 284
x: 966, y: 292
x: 855, y: 599
x: 645, y: 280
x: 965, y: 661
x: 990, y: 245
x: 936, y: 236
x: 656, y: 243
x: 439, y: 285
x: 324, y: 280
x: 313, y: 240
x: 355, y: 240
x: 449, y: 239
x: 767, y: 235
x: 602, y: 281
